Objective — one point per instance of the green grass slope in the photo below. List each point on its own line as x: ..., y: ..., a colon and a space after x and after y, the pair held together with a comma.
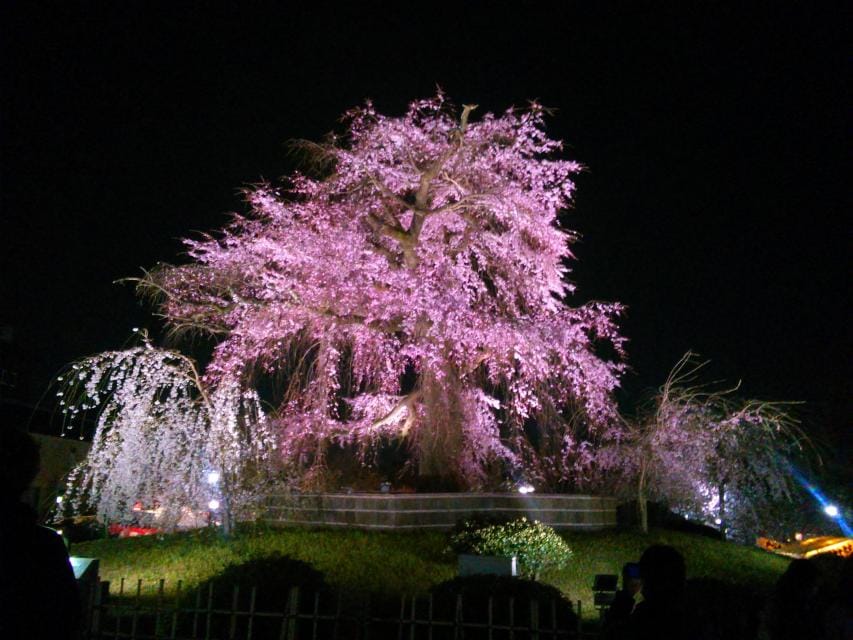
x: 406, y: 563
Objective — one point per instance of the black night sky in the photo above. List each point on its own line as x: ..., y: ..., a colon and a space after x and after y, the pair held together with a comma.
x: 716, y: 143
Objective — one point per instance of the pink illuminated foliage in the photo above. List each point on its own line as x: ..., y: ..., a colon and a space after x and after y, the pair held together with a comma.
x: 411, y: 289
x: 710, y: 455
x: 430, y: 252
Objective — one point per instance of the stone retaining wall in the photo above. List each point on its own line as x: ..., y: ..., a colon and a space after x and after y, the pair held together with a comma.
x: 437, y: 510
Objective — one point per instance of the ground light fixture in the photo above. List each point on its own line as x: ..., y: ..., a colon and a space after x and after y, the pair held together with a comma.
x: 526, y: 488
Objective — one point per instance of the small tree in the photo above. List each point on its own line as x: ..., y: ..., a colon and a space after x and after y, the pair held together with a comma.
x: 704, y: 452
x: 162, y: 435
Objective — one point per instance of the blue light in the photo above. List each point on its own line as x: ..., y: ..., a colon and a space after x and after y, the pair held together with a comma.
x: 830, y: 509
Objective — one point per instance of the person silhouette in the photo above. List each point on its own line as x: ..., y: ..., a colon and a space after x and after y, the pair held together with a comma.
x: 809, y: 601
x: 661, y: 614
x: 38, y: 592
x: 618, y: 615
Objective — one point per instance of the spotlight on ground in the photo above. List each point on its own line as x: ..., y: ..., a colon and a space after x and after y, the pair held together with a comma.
x: 526, y: 488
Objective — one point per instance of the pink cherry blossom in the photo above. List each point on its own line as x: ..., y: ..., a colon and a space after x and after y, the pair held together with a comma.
x: 412, y: 289
x: 419, y: 284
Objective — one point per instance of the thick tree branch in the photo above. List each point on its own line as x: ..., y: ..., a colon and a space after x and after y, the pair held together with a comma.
x: 388, y: 194
x: 397, y: 233
x: 422, y: 195
x: 393, y: 258
x: 407, y: 403
x: 389, y: 326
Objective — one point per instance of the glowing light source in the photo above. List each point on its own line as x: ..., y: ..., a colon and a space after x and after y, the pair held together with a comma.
x: 828, y: 508
x: 58, y: 499
x: 213, y: 505
x: 526, y: 488
x: 718, y: 521
x: 798, y: 537
x: 213, y: 477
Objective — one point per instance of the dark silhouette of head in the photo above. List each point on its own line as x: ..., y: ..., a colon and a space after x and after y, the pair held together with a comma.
x: 799, y: 582
x: 631, y: 577
x: 19, y: 462
x: 663, y: 573
x: 797, y: 608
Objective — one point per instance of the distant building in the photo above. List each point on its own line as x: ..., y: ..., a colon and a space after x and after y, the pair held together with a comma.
x: 58, y: 457
x: 61, y: 445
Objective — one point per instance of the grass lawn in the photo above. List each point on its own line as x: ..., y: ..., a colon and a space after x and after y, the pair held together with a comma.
x: 407, y: 563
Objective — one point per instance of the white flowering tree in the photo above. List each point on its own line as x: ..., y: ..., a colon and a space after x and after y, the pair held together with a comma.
x: 165, y: 438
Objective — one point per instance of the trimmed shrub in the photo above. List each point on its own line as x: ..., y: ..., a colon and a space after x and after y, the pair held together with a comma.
x: 536, y: 546
x: 272, y: 576
x: 510, y: 603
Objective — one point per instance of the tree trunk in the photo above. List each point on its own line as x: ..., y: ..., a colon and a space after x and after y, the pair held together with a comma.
x: 227, y: 519
x: 642, y: 503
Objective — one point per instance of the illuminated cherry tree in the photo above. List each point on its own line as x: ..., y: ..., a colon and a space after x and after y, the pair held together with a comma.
x: 413, y: 291
x: 710, y: 455
x: 165, y: 443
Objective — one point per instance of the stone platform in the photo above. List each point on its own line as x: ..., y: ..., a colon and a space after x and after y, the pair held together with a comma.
x: 403, y: 511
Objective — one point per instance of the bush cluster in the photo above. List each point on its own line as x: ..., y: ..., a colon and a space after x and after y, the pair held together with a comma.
x: 511, y: 601
x: 536, y: 546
